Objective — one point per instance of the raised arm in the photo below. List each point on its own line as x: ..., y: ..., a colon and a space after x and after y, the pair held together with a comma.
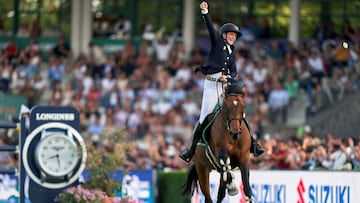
x: 208, y: 22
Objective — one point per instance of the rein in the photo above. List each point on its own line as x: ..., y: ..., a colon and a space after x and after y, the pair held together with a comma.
x: 227, y: 122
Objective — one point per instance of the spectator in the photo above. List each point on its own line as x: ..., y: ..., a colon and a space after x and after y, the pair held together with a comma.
x: 335, y: 159
x: 316, y: 66
x: 32, y: 46
x: 258, y: 52
x: 163, y: 46
x: 347, y: 30
x: 279, y: 156
x: 7, y: 161
x: 260, y: 73
x: 39, y: 84
x: 97, y: 61
x: 95, y: 129
x: 36, y: 28
x: 61, y: 48
x: 24, y: 30
x: 265, y: 29
x: 122, y: 28
x: 291, y: 85
x: 6, y: 71
x: 278, y: 102
x: 11, y: 50
x: 57, y: 94
x: 55, y: 71
x: 356, y: 159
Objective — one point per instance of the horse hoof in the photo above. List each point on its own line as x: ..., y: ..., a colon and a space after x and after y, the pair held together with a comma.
x: 249, y: 200
x: 232, y: 189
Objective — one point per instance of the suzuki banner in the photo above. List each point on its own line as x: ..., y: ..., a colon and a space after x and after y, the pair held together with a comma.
x: 293, y: 187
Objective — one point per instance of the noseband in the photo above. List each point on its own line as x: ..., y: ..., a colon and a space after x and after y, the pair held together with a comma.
x: 227, y: 121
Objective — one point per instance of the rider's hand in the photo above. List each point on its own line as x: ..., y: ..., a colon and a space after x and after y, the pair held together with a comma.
x: 204, y: 5
x: 223, y: 78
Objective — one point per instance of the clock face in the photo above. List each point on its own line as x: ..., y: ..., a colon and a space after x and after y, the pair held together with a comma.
x: 57, y: 155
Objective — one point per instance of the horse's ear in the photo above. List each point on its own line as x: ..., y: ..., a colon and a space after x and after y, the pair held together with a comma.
x: 234, y: 89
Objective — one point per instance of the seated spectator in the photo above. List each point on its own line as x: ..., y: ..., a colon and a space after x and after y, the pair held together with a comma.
x: 36, y: 28
x: 6, y: 71
x: 279, y: 156
x: 39, y: 84
x: 97, y: 60
x: 57, y: 94
x: 292, y: 87
x: 55, y: 71
x: 7, y: 161
x: 356, y: 159
x: 95, y: 129
x: 24, y: 30
x: 61, y: 49
x: 316, y: 64
x: 11, y: 50
x: 122, y: 28
x: 278, y: 102
x: 32, y: 46
x: 335, y: 159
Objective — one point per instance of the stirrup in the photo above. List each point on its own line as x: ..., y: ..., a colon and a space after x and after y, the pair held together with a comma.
x: 182, y: 156
x: 258, y: 150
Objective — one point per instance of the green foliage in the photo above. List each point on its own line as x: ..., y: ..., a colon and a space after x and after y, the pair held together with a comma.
x: 170, y: 187
x: 102, y: 164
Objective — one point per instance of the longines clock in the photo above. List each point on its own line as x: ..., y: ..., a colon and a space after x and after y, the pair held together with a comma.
x: 59, y: 155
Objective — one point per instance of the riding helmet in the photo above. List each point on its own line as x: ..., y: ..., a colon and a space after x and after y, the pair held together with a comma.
x: 230, y: 27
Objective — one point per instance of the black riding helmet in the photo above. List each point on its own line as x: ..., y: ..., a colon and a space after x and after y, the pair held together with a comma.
x: 230, y: 27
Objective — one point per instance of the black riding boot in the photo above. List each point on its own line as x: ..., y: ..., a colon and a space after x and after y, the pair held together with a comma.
x: 255, y: 148
x: 189, y: 153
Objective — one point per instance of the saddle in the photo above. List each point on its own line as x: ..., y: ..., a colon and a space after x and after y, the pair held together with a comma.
x: 206, y: 126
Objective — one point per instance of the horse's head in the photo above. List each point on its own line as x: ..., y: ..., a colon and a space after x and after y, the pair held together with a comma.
x: 233, y: 110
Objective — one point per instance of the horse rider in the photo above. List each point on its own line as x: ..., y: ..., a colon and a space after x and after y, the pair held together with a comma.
x: 219, y: 69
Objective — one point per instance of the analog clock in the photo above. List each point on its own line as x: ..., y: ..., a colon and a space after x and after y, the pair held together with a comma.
x: 56, y: 155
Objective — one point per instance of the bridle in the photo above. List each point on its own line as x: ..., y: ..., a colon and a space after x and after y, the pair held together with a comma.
x: 226, y: 111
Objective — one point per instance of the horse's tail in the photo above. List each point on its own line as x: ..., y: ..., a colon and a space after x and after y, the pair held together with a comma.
x: 191, y: 181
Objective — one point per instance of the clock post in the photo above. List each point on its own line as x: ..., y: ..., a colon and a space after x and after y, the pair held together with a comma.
x: 53, y: 152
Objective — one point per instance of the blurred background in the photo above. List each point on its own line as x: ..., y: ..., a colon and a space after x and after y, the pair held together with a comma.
x: 128, y: 65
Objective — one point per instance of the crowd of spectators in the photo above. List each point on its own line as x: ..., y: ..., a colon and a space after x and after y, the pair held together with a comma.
x: 152, y: 93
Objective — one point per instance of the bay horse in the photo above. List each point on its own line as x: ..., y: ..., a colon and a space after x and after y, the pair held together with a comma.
x: 226, y: 147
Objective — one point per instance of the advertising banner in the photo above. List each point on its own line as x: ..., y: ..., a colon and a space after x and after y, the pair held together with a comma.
x: 139, y: 185
x: 293, y: 187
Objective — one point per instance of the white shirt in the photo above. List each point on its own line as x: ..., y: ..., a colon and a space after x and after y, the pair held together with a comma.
x: 278, y: 98
x: 259, y: 75
x: 316, y: 64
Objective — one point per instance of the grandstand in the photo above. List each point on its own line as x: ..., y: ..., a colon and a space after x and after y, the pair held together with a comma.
x: 124, y: 83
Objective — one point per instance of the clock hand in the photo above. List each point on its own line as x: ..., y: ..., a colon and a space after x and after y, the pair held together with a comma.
x: 58, y: 160
x: 54, y: 156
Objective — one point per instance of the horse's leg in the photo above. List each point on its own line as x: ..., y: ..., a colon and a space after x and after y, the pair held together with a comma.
x: 244, y: 167
x: 204, y: 182
x: 221, y: 191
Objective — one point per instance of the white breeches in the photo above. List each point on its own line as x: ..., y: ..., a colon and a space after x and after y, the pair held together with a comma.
x: 213, y: 91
